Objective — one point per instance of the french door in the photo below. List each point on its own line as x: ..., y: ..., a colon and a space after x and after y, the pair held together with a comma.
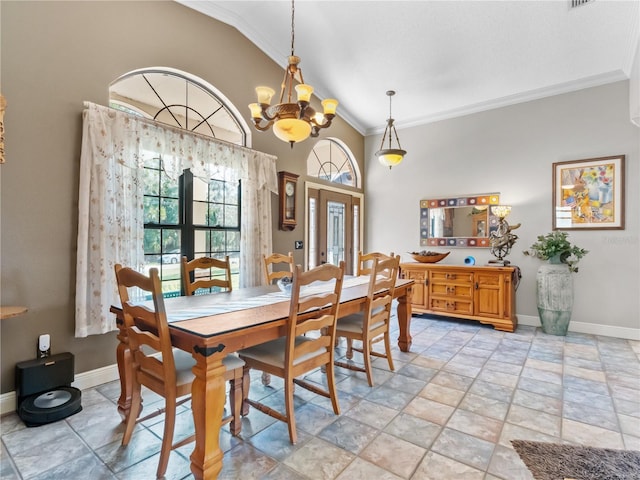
x: 334, y: 226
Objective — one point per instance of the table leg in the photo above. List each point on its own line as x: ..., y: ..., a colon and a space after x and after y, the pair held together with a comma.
x: 207, y: 404
x: 404, y: 320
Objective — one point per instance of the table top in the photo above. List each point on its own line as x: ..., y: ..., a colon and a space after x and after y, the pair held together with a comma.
x: 11, y: 311
x: 194, y: 314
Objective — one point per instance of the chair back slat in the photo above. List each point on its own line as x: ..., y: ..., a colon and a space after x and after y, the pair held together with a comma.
x: 365, y: 261
x: 272, y: 275
x: 213, y: 268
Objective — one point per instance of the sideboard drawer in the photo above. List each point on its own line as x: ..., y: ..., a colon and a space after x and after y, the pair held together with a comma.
x: 452, y: 290
x: 450, y: 305
x: 451, y: 277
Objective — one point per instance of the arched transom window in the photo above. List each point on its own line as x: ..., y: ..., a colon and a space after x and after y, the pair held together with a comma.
x: 181, y: 100
x: 331, y: 160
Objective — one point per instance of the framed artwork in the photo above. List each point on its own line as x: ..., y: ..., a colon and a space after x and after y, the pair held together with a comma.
x: 589, y: 194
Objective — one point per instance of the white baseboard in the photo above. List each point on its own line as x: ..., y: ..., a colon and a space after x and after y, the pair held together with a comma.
x: 82, y: 381
x: 591, y: 328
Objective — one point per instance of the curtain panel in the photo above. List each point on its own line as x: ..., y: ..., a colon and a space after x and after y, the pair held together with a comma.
x: 115, y: 146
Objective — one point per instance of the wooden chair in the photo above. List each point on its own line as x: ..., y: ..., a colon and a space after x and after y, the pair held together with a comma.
x: 210, y: 278
x: 307, y: 345
x: 365, y: 261
x: 270, y: 276
x: 372, y: 324
x: 159, y: 367
x: 275, y: 258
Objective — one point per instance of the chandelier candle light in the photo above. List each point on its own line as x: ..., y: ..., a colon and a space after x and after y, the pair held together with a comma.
x: 292, y: 122
x: 390, y: 157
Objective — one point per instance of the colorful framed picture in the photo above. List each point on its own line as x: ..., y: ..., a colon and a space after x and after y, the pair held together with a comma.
x: 589, y: 194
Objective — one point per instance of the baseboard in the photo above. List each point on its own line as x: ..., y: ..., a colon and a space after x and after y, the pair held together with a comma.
x: 591, y: 328
x: 81, y: 381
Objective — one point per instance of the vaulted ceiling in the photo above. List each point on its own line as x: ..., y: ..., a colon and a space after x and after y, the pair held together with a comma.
x: 443, y: 58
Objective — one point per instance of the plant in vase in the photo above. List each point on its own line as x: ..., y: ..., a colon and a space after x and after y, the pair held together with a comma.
x: 556, y: 248
x: 554, y: 280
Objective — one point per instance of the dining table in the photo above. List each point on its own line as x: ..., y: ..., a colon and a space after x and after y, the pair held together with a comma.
x: 212, y: 325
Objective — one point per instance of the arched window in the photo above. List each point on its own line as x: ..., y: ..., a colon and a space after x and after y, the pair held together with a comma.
x: 192, y: 216
x: 182, y: 100
x: 331, y: 160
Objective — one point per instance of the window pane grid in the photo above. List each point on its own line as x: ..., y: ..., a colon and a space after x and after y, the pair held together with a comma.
x: 329, y: 161
x: 215, y: 225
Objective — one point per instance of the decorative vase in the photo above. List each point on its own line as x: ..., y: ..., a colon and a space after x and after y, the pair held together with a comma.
x: 555, y: 296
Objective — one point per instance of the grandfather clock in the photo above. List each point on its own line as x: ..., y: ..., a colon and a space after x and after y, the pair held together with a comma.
x: 287, y: 190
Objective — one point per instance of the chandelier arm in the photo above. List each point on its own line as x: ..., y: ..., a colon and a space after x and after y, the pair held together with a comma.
x: 265, y: 115
x: 283, y: 85
x: 396, y: 134
x: 290, y: 84
x: 384, y: 136
x: 257, y: 122
x: 327, y: 123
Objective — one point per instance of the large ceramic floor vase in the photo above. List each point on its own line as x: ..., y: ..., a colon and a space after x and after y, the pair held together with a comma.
x: 555, y: 296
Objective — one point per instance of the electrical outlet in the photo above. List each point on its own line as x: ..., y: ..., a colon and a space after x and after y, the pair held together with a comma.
x: 44, y: 345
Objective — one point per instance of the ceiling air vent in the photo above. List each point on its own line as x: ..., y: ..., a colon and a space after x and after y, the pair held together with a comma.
x: 578, y: 3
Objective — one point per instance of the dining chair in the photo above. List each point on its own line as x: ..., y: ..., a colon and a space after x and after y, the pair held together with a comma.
x: 159, y: 367
x: 308, y: 344
x: 371, y: 325
x: 207, y: 273
x: 365, y: 261
x: 277, y: 258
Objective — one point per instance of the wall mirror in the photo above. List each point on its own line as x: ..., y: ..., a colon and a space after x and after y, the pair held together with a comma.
x: 458, y: 221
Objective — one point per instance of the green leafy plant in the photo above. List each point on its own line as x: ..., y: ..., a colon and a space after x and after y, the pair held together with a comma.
x: 555, y: 244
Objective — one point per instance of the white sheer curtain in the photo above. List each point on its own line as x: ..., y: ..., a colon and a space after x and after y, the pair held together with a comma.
x: 110, y: 222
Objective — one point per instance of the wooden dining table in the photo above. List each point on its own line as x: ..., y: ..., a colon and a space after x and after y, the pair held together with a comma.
x: 201, y: 326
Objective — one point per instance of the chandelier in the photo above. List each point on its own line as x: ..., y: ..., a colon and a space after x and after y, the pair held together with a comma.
x: 390, y: 157
x: 291, y: 122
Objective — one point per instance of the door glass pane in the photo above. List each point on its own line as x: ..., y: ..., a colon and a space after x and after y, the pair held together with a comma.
x: 312, y: 242
x: 335, y: 232
x: 356, y: 236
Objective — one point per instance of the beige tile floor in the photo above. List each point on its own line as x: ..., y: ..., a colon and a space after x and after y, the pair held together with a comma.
x: 448, y: 411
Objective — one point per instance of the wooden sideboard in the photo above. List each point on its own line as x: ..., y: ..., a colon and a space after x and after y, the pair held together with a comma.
x: 486, y: 294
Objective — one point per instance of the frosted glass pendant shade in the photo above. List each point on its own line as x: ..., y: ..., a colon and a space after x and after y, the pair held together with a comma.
x: 292, y: 130
x: 390, y: 157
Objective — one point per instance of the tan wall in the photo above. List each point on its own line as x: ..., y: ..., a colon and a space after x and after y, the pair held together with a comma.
x: 55, y: 55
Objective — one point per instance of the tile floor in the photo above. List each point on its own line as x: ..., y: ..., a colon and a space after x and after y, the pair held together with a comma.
x: 448, y: 412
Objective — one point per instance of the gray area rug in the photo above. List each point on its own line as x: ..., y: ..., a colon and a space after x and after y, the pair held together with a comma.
x: 554, y: 461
